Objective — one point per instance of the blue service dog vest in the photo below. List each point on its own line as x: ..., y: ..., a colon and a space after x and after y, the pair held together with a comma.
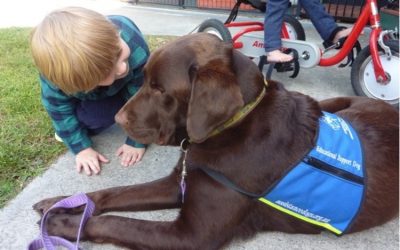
x: 327, y: 187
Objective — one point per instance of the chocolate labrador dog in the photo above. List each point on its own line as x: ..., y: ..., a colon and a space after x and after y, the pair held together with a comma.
x: 240, y: 136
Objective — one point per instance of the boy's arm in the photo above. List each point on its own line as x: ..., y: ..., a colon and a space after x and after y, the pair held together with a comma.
x: 61, y: 109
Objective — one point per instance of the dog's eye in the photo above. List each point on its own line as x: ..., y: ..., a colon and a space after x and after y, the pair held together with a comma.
x: 156, y: 87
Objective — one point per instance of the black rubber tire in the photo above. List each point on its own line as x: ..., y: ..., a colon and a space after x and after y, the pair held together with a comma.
x: 216, y: 27
x: 358, y: 70
x: 296, y: 26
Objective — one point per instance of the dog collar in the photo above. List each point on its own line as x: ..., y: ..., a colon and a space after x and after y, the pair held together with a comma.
x: 241, y: 114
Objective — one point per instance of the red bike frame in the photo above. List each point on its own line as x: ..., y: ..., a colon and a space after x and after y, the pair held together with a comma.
x: 369, y: 14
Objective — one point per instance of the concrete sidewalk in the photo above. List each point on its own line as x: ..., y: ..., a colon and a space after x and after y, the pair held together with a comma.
x: 18, y: 221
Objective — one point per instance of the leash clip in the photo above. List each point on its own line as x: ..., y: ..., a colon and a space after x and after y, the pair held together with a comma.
x: 184, y: 148
x: 184, y: 145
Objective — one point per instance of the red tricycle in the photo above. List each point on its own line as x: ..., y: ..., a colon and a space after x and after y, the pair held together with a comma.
x: 375, y: 70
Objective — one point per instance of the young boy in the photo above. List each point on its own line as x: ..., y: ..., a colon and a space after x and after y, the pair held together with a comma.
x: 89, y: 66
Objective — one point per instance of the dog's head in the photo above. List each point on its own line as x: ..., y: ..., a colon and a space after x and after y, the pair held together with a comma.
x: 189, y: 85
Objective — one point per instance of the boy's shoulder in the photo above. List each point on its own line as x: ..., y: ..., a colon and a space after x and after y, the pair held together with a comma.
x: 132, y: 35
x: 118, y: 19
x: 129, y: 31
x: 123, y: 22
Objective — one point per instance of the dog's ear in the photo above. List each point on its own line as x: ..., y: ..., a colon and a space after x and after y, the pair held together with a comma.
x: 215, y: 97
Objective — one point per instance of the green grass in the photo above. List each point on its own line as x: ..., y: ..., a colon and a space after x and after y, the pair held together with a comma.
x: 27, y: 144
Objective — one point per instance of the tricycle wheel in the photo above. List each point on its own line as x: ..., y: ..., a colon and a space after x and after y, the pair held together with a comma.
x: 363, y: 76
x: 216, y: 27
x: 294, y: 28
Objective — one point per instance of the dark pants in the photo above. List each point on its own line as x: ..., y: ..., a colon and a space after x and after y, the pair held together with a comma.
x: 276, y: 9
x: 98, y: 115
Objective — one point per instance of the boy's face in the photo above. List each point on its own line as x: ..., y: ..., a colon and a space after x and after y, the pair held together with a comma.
x: 121, y: 66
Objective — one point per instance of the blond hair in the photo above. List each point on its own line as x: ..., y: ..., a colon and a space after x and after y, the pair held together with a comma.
x: 75, y: 48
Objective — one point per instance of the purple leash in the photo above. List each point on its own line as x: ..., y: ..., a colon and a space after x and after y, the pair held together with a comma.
x: 49, y: 242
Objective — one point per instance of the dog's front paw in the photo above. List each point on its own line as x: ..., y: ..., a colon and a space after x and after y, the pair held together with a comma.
x: 65, y: 226
x: 42, y: 206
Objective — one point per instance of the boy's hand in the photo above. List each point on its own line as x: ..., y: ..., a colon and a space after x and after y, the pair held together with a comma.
x: 90, y: 160
x: 130, y: 155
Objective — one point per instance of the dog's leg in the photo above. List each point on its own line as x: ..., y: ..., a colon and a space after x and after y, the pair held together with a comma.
x: 159, y: 194
x: 203, y: 223
x: 126, y: 232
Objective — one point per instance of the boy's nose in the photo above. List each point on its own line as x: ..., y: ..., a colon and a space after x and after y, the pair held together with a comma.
x: 121, y: 118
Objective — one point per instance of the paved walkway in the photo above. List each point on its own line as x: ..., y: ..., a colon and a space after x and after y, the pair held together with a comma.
x: 18, y: 221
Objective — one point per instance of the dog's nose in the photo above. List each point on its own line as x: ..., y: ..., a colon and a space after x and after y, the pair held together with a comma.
x: 121, y: 118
